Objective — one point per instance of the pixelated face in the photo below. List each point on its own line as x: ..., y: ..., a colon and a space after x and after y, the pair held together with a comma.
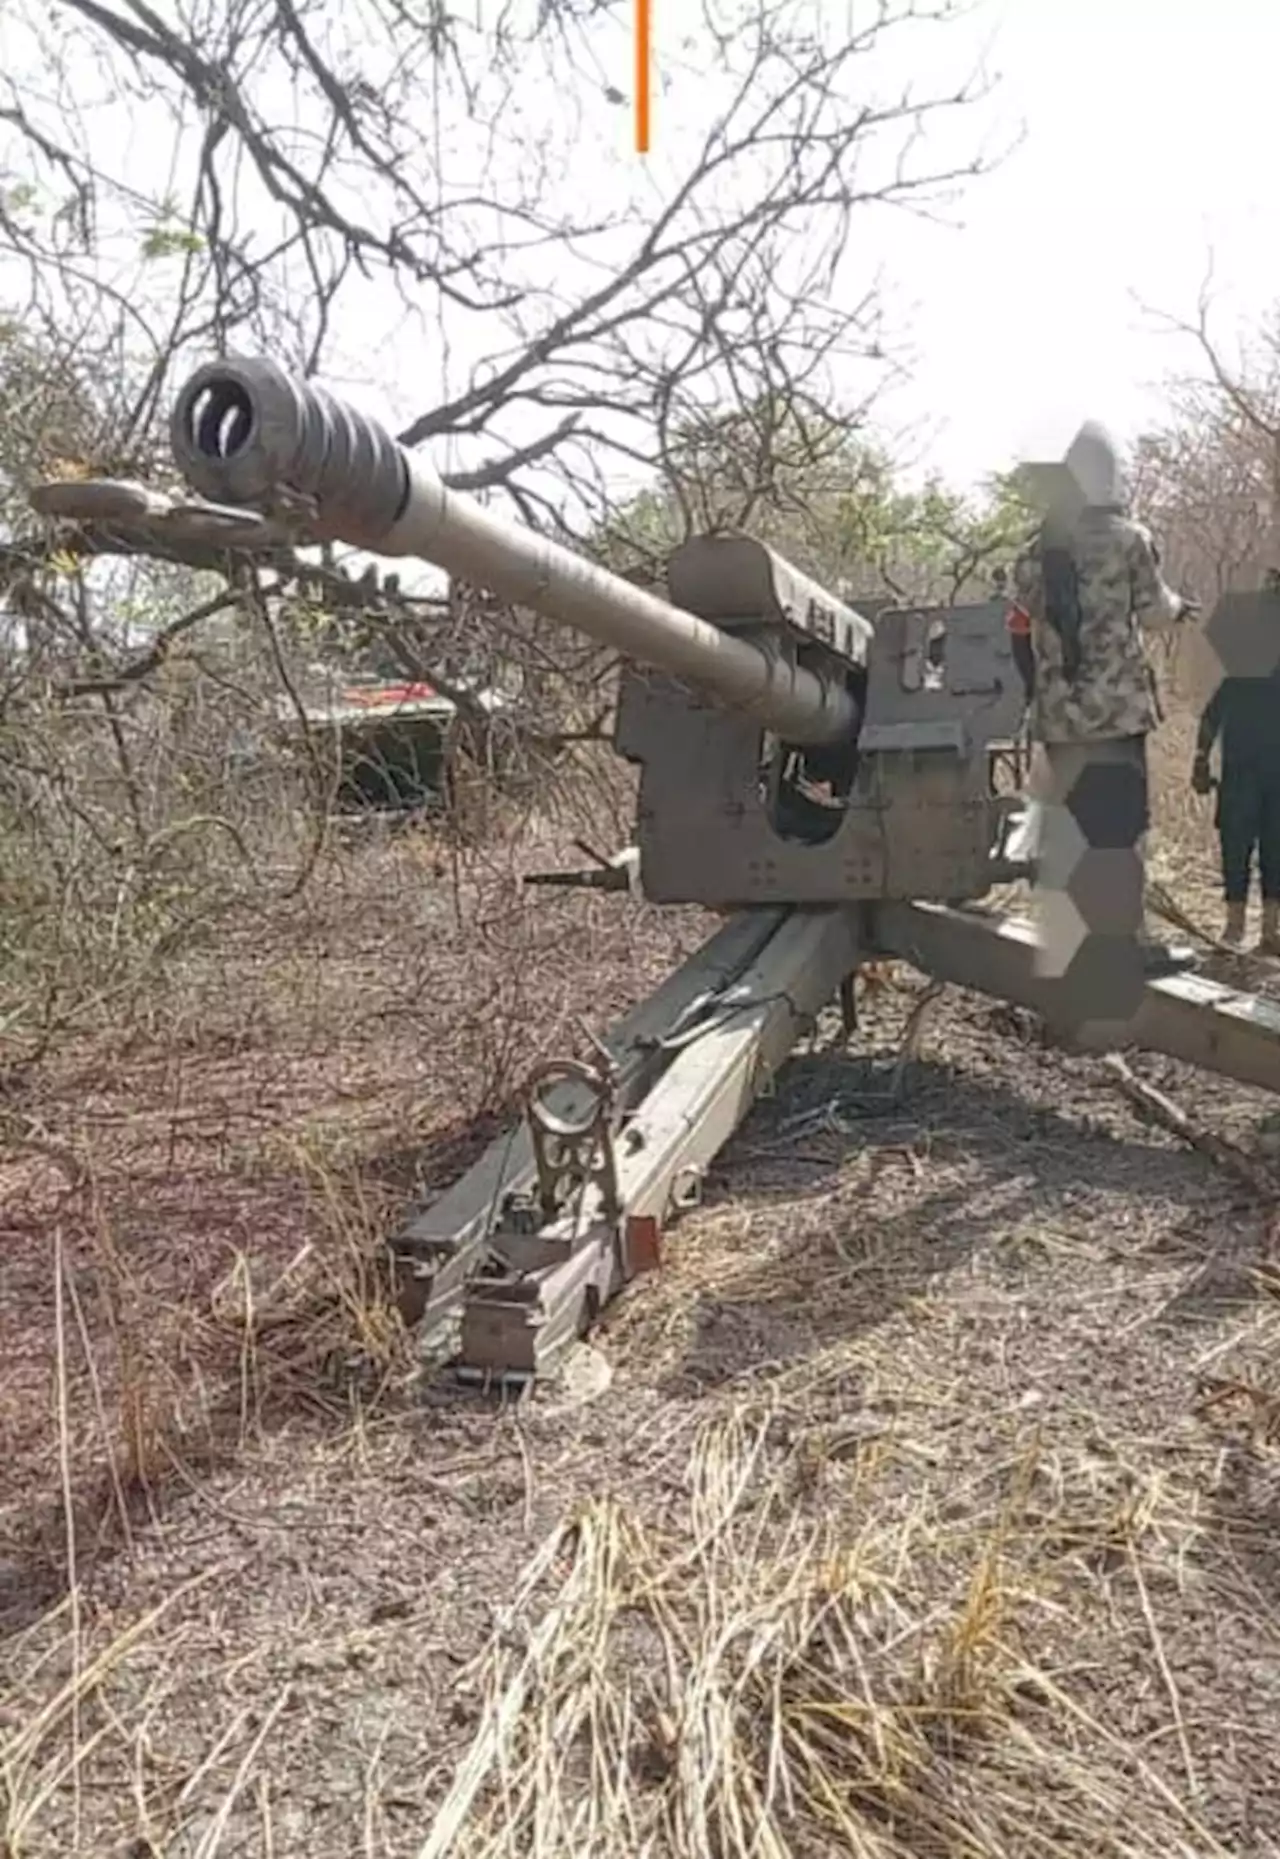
x: 1050, y: 489
x: 1094, y: 463
x: 1243, y: 634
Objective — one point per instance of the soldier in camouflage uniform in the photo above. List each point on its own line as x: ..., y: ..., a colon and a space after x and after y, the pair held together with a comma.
x: 1085, y: 591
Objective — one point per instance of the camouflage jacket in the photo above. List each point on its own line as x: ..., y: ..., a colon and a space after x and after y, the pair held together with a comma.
x: 1121, y: 593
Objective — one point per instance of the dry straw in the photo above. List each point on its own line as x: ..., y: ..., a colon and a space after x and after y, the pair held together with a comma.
x: 747, y: 1684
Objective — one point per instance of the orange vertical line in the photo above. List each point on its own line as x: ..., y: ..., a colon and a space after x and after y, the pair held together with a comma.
x: 643, y: 62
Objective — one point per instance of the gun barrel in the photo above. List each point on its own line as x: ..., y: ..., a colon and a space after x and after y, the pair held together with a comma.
x: 245, y: 432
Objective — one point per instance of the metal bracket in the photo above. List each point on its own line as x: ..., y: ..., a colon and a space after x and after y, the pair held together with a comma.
x: 574, y: 1153
x: 171, y: 519
x: 611, y: 1166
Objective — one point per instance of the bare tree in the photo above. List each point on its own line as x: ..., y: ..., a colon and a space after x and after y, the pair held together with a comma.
x: 1203, y: 481
x: 1209, y: 478
x: 808, y: 480
x: 316, y: 155
x: 321, y: 163
x: 320, y: 180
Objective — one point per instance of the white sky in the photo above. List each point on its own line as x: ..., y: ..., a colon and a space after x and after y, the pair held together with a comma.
x: 1148, y: 158
x: 1142, y: 172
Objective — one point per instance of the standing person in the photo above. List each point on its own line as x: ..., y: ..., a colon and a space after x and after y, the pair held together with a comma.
x: 1243, y: 718
x: 1086, y: 590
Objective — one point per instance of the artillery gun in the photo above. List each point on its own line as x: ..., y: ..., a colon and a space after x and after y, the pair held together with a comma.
x: 823, y: 778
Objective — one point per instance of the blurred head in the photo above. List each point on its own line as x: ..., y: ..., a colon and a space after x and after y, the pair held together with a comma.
x: 1094, y: 463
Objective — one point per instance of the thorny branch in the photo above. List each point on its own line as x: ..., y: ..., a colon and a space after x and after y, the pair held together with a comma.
x: 1209, y: 478
x: 298, y: 177
x: 332, y: 184
x: 295, y: 178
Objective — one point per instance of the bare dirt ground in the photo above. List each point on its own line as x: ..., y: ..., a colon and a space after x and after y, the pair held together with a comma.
x: 931, y: 1508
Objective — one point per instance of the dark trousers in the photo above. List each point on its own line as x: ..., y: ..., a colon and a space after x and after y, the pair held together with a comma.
x: 1248, y: 820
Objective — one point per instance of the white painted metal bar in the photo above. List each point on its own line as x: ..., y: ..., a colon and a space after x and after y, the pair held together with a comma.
x: 437, y: 1249
x: 517, y: 1328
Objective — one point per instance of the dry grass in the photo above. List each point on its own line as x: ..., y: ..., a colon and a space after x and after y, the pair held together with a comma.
x: 762, y: 1676
x: 931, y: 1510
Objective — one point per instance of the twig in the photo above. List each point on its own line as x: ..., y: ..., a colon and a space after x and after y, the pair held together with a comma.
x: 1166, y: 1675
x: 1170, y: 1116
x: 213, y: 1834
x: 911, y: 1037
x: 452, y: 1813
x: 140, y: 668
x: 1160, y: 900
x: 69, y: 1516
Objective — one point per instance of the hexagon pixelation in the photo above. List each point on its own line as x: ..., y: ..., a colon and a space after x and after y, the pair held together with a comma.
x: 1060, y: 930
x: 1243, y: 632
x: 1091, y: 458
x: 1049, y: 486
x: 1060, y: 845
x: 1090, y: 900
x: 1097, y: 970
x: 1108, y: 802
x: 1103, y: 984
x: 1106, y: 888
x: 1086, y: 472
